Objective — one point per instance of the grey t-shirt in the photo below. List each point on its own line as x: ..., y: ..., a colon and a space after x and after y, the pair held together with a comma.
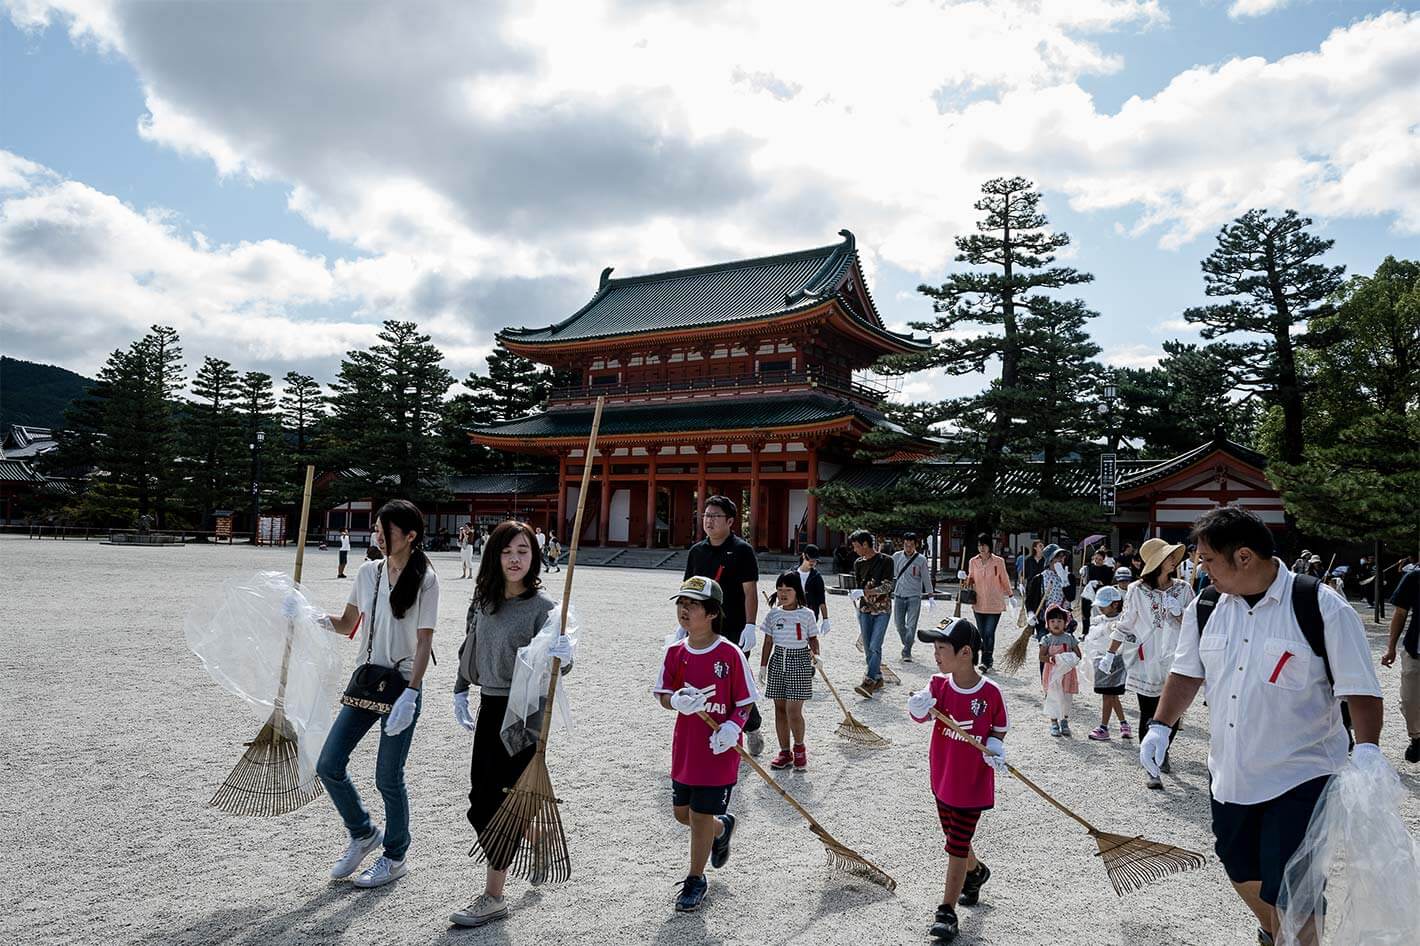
x: 490, y: 646
x: 1058, y: 640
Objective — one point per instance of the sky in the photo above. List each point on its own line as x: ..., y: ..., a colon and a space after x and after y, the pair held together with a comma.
x: 275, y: 179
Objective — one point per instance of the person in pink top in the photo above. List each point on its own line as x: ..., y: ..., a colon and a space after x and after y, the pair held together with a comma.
x: 963, y: 777
x: 986, y: 575
x: 704, y: 673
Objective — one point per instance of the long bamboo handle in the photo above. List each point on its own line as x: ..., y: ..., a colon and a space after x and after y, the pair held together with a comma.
x: 588, y: 460
x: 951, y: 724
x: 1328, y: 567
x: 710, y: 721
x: 280, y: 703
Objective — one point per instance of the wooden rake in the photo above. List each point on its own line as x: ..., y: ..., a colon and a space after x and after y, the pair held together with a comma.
x: 267, y: 781
x: 529, y: 812
x: 850, y: 729
x: 1129, y: 862
x: 840, y: 857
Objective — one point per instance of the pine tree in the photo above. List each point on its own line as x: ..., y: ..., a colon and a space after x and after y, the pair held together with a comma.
x: 302, y: 407
x: 387, y: 407
x: 513, y: 387
x: 1265, y: 267
x: 213, y: 446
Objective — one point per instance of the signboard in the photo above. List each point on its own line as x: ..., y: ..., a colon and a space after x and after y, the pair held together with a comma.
x: 1108, y: 475
x: 223, y: 528
x: 272, y: 530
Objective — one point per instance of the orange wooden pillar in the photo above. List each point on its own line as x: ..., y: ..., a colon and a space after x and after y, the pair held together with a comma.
x: 651, y: 499
x: 699, y: 495
x: 755, y: 506
x: 812, y: 511
x: 560, y: 529
x: 602, y: 523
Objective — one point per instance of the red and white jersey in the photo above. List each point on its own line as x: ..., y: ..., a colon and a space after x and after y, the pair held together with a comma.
x: 722, y: 673
x: 790, y: 630
x: 960, y: 776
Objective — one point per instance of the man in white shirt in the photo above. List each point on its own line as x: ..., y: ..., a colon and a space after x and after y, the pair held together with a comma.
x: 1276, y: 733
x: 344, y: 552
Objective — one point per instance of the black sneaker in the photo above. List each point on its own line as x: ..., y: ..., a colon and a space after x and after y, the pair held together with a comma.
x: 720, y: 849
x: 1166, y: 768
x: 1263, y: 937
x: 692, y: 894
x: 1412, y: 753
x: 944, y: 930
x: 971, y: 887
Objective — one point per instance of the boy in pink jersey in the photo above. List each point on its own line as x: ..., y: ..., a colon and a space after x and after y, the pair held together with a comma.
x: 963, y: 778
x: 704, y: 672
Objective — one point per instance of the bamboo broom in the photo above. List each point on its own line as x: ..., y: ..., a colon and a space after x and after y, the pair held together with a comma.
x: 529, y: 812
x: 840, y: 857
x: 266, y: 781
x: 1129, y: 862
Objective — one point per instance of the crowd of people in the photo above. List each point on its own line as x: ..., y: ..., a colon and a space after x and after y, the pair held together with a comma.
x: 1280, y: 651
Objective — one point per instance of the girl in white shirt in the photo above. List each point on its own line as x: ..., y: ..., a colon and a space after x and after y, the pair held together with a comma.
x: 790, y: 632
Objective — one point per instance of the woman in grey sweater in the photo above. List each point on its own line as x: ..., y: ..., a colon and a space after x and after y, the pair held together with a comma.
x: 507, y: 611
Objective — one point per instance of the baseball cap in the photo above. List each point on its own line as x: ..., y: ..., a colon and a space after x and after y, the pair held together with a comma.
x: 955, y: 631
x: 1123, y: 574
x: 1108, y: 595
x: 700, y: 589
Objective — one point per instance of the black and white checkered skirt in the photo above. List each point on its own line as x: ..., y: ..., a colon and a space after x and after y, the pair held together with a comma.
x: 791, y: 674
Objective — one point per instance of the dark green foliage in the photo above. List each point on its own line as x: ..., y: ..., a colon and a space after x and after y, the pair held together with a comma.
x: 514, y: 387
x: 214, y: 448
x: 1179, y: 404
x: 37, y: 395
x: 302, y: 407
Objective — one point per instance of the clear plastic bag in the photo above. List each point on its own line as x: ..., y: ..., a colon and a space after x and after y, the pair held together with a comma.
x: 1358, y: 869
x: 532, y: 670
x: 240, y: 634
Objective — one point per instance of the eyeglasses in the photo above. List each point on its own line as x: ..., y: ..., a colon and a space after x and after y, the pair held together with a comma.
x: 714, y: 515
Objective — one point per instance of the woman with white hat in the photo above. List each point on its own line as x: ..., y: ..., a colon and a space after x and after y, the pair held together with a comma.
x: 1150, y: 623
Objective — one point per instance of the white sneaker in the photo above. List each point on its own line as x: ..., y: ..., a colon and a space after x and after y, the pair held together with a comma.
x: 485, y: 909
x: 380, y: 873
x: 358, y: 850
x: 754, y: 742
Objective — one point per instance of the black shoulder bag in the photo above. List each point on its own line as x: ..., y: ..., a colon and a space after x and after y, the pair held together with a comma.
x: 371, y: 686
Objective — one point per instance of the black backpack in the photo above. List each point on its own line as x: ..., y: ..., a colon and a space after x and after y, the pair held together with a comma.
x: 1306, y: 608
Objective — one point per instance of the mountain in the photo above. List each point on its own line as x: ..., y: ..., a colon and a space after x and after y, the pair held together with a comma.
x: 35, y: 394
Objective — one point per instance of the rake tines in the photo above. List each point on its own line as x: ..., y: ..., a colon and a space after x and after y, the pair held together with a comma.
x: 850, y: 729
x: 266, y: 780
x: 888, y: 675
x: 525, y: 837
x: 1131, y: 863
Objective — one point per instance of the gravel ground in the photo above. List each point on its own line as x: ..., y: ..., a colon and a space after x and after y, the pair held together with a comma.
x: 117, y: 738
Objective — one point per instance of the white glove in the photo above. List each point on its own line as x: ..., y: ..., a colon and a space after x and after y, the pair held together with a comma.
x: 679, y: 634
x: 1013, y: 601
x: 928, y: 602
x: 292, y: 605
x: 1153, y: 747
x: 1174, y: 605
x: 920, y: 704
x: 1031, y: 620
x: 747, y: 637
x: 564, y: 648
x: 856, y: 594
x: 763, y: 674
x: 824, y: 627
x: 402, y: 715
x: 688, y: 701
x: 1106, y: 663
x: 1367, y: 756
x: 725, y: 738
x: 461, y: 714
x: 998, y: 760
x: 961, y: 575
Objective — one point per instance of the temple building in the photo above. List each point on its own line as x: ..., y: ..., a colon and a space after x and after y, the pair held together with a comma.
x: 736, y: 379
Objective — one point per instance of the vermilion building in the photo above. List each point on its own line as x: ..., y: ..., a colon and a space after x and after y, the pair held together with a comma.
x: 734, y: 379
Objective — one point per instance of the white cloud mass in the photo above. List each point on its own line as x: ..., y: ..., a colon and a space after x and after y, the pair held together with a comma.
x: 488, y: 160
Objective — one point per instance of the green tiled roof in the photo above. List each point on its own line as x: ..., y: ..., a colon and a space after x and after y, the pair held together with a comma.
x: 952, y: 478
x: 709, y: 414
x: 501, y: 483
x: 721, y: 294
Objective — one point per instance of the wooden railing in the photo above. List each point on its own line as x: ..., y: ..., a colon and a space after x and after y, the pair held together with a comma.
x: 756, y: 381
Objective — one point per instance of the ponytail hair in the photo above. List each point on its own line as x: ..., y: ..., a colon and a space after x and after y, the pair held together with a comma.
x: 405, y: 515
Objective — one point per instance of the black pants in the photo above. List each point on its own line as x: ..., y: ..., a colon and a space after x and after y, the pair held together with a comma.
x: 1147, y: 706
x: 1085, y: 608
x: 492, y: 769
x: 755, y: 720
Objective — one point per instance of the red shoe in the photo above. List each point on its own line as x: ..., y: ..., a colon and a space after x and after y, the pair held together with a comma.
x: 801, y: 758
x: 783, y: 760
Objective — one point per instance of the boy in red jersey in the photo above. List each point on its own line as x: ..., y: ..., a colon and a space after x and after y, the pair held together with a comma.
x: 963, y: 778
x: 704, y: 672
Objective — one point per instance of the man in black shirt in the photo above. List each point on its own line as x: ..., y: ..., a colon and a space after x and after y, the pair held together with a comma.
x: 731, y: 561
x: 815, y: 594
x: 1406, y: 601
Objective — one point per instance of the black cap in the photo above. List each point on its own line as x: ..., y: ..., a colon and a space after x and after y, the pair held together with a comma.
x: 958, y: 632
x: 809, y: 551
x: 909, y: 537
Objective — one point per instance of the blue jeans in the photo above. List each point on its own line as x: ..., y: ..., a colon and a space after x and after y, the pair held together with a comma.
x: 350, y: 727
x: 873, y: 628
x: 986, y: 624
x: 905, y: 612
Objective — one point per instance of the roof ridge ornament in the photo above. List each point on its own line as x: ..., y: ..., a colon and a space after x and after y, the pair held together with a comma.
x: 606, y: 277
x: 830, y: 266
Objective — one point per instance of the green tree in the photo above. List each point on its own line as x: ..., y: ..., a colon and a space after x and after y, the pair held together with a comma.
x: 513, y: 387
x: 1266, y: 269
x: 387, y: 407
x: 1360, y: 473
x: 213, y: 447
x: 302, y: 407
x: 1172, y: 408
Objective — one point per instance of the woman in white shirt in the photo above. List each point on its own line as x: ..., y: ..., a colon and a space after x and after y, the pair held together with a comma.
x: 1149, y: 625
x: 396, y: 602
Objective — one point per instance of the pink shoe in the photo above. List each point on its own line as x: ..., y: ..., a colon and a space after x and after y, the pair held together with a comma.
x: 1099, y: 734
x: 1125, y: 732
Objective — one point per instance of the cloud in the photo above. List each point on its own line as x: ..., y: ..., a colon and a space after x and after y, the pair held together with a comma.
x: 1131, y: 356
x: 1245, y: 8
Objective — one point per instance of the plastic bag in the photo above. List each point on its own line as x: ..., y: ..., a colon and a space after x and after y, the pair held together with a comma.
x: 1357, y: 869
x: 240, y: 634
x: 532, y: 669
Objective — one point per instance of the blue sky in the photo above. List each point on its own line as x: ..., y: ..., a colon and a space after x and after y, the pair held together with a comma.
x: 274, y: 180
